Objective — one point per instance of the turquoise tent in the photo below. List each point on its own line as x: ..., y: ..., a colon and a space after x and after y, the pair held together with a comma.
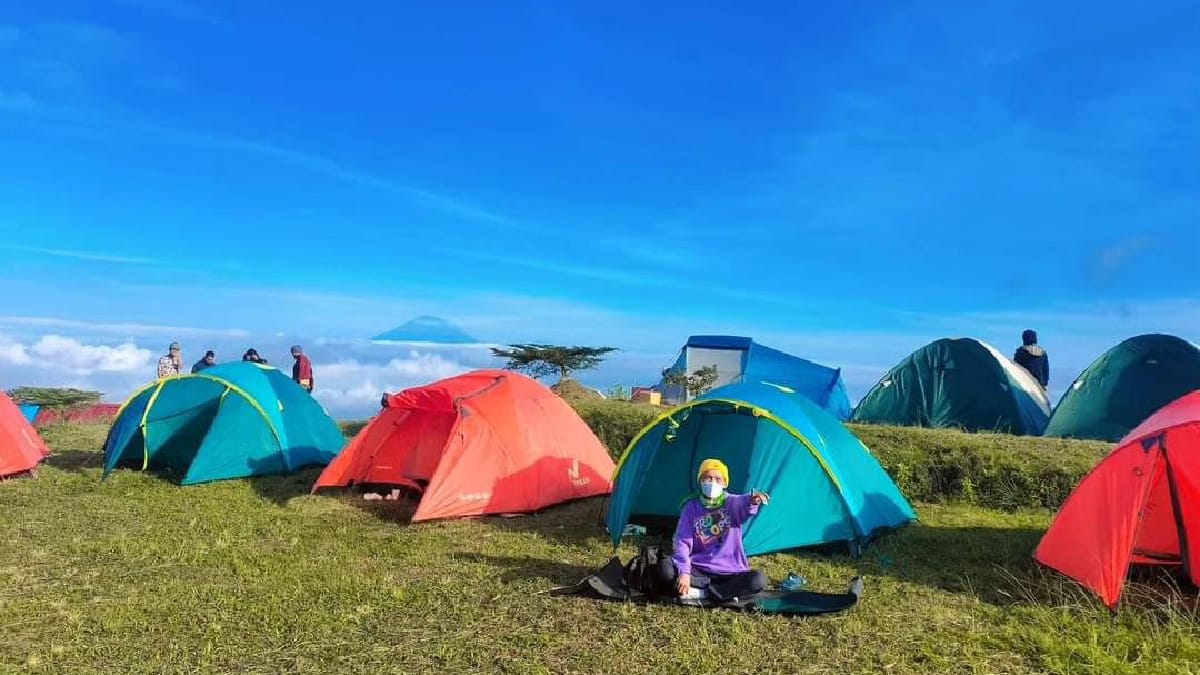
x: 229, y: 421
x: 825, y: 486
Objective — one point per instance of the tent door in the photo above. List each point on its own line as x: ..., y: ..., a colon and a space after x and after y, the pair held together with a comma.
x: 1178, y: 508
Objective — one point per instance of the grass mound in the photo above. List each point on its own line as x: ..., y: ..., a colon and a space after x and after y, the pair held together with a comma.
x: 572, y: 390
x: 138, y: 575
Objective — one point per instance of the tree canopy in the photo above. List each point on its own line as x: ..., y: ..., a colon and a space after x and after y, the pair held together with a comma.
x: 538, y: 360
x: 53, y: 396
x: 696, y: 384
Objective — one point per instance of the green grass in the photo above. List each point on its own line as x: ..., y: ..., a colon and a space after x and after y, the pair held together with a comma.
x: 137, y: 575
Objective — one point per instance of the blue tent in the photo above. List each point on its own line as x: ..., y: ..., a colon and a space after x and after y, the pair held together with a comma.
x: 825, y: 485
x: 741, y: 359
x: 30, y: 411
x: 232, y: 420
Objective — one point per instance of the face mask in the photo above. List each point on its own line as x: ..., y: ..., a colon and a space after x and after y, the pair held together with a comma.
x: 711, y: 490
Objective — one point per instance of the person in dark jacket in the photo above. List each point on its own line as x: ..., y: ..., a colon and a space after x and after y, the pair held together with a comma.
x: 252, y: 356
x: 1033, y: 358
x: 209, y: 360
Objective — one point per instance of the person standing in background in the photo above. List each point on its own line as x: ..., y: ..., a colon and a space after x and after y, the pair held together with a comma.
x: 171, y: 363
x: 209, y: 360
x: 252, y: 356
x: 1033, y: 358
x: 302, y: 371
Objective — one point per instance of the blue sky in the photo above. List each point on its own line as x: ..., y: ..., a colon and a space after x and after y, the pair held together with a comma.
x: 847, y: 182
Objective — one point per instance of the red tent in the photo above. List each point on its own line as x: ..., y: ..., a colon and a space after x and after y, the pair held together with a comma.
x: 1139, y: 506
x: 80, y: 414
x: 487, y: 442
x: 21, y: 449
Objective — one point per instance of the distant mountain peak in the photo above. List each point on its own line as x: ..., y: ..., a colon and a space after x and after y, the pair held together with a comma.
x: 426, y: 328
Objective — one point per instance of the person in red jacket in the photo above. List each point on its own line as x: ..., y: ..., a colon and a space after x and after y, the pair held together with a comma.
x: 302, y: 371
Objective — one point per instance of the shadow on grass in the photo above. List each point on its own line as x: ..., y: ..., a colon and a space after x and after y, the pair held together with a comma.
x: 75, y: 460
x: 990, y: 563
x: 281, y: 488
x: 576, y: 523
x: 528, y: 568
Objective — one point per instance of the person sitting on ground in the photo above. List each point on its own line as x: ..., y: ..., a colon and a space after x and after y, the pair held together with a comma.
x: 1033, y: 358
x: 209, y: 360
x: 708, y: 557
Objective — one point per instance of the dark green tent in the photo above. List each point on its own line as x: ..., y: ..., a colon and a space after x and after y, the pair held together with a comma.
x: 959, y: 383
x: 1125, y: 386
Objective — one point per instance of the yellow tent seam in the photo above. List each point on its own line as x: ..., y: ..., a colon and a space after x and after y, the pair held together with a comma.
x: 758, y: 412
x: 225, y: 383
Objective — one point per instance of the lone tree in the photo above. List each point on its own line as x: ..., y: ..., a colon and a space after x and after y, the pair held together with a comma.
x: 542, y: 360
x: 696, y: 384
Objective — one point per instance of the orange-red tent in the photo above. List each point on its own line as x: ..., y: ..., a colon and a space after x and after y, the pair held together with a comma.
x: 486, y: 442
x: 21, y: 449
x: 1139, y: 506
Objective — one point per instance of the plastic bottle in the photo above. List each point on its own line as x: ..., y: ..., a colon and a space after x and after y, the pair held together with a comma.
x: 793, y: 582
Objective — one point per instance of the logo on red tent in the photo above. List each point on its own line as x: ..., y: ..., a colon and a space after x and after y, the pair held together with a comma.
x: 573, y: 474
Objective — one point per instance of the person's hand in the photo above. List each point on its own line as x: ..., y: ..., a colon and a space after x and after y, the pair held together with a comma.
x: 759, y: 498
x: 683, y: 584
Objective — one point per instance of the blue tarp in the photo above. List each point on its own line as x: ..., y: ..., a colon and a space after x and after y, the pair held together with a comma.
x: 759, y: 363
x: 30, y: 411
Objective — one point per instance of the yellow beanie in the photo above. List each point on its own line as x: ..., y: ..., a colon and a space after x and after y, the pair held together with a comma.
x: 711, y: 464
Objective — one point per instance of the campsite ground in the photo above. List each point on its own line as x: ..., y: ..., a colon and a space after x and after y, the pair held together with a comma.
x: 136, y: 575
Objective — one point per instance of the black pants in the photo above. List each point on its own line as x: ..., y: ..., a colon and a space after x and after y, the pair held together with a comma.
x: 719, y: 586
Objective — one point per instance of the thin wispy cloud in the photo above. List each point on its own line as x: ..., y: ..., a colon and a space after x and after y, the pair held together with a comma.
x: 661, y: 279
x: 543, y: 265
x: 1111, y: 260
x: 122, y: 329
x: 93, y: 256
x: 82, y: 122
x: 17, y: 100
x: 177, y: 9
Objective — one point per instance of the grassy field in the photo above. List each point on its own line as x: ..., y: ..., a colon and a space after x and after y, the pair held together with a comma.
x: 137, y: 575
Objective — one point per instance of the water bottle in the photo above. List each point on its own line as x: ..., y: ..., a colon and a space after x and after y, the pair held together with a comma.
x: 793, y: 582
x: 632, y: 530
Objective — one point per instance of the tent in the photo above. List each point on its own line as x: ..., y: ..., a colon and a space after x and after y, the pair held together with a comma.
x: 21, y: 449
x: 229, y: 421
x: 959, y: 383
x: 1125, y: 386
x: 30, y: 411
x: 741, y: 359
x: 484, y: 442
x: 92, y: 413
x: 825, y: 485
x: 1139, y: 506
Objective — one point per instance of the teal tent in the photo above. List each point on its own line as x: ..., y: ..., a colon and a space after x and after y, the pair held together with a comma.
x: 957, y: 383
x: 229, y: 421
x: 1123, y: 387
x: 825, y: 486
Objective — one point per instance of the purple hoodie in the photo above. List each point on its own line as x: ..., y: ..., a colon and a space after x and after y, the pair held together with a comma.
x: 711, y: 540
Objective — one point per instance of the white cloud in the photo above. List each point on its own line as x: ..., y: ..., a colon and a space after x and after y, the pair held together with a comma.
x: 56, y: 352
x: 12, y: 352
x: 351, y: 373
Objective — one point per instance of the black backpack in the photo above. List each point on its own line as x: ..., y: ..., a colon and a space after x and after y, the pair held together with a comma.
x: 641, y: 572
